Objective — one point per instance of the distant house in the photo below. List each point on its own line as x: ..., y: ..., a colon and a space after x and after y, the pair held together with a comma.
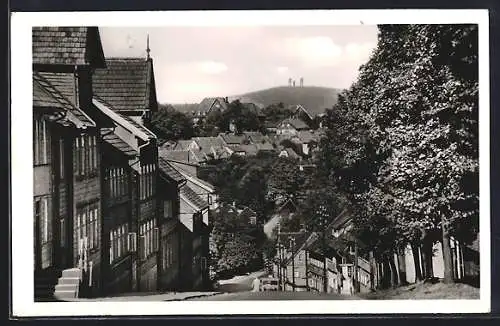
x: 270, y: 127
x: 233, y: 139
x: 128, y: 86
x: 209, y: 104
x: 307, y: 113
x: 307, y: 139
x: 291, y: 126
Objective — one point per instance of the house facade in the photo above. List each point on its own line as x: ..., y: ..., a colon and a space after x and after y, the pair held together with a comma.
x: 290, y: 127
x: 170, y: 182
x: 67, y: 164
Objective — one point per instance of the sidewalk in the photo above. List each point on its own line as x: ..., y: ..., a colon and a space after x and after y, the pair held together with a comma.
x: 172, y: 296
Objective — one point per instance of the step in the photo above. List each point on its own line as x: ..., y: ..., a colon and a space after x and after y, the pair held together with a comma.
x: 65, y: 294
x: 69, y: 280
x: 66, y: 287
x: 72, y: 272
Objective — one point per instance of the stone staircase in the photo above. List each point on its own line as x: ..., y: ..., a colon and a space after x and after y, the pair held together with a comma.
x: 68, y: 285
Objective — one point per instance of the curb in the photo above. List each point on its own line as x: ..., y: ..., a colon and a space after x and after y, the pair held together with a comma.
x: 195, y: 296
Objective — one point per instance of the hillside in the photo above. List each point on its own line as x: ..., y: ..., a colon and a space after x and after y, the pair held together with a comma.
x: 315, y: 99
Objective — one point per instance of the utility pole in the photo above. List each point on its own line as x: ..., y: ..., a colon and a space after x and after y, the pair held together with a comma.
x: 356, y: 278
x: 292, y: 246
x: 279, y: 255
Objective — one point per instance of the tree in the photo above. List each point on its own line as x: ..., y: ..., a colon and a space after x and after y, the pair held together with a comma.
x: 170, y: 124
x: 402, y: 141
x: 275, y: 113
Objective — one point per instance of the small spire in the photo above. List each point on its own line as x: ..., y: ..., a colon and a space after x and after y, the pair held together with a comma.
x: 147, y: 48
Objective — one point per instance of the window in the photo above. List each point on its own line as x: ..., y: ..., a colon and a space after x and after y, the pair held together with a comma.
x: 168, y: 209
x: 149, y: 235
x: 86, y: 155
x: 87, y: 226
x: 117, y: 182
x: 41, y: 142
x: 297, y: 274
x: 120, y: 244
x: 147, y: 181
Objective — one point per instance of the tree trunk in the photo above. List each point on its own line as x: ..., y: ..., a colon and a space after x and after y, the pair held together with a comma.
x: 372, y: 272
x: 427, y: 255
x: 402, y: 268
x: 387, y: 276
x: 447, y: 260
x: 416, y: 261
x: 394, y: 271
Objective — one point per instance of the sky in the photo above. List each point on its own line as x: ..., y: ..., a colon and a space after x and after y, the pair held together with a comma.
x: 191, y: 63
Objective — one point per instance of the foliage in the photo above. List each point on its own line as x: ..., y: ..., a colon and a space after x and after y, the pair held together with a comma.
x: 170, y: 124
x: 276, y: 113
x: 234, y: 243
x: 402, y: 142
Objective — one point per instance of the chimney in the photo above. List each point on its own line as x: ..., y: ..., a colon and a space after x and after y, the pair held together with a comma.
x: 226, y: 99
x: 294, y: 83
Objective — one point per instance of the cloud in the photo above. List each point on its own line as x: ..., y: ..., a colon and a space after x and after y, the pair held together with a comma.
x: 314, y: 51
x: 212, y: 67
x: 359, y: 51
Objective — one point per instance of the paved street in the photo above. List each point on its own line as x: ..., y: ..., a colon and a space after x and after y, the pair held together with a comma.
x: 239, y: 283
x: 274, y: 295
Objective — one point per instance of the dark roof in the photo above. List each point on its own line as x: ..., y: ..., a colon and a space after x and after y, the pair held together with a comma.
x: 254, y: 108
x: 340, y: 220
x: 127, y: 84
x: 230, y: 138
x: 207, y: 103
x: 296, y: 123
x: 46, y: 95
x: 64, y: 82
x: 287, y: 203
x: 247, y: 212
x: 193, y: 198
x: 67, y: 46
x: 181, y: 156
x: 112, y: 139
x: 170, y: 171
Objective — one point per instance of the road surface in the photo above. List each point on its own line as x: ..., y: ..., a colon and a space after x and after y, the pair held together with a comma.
x: 239, y: 283
x: 274, y: 295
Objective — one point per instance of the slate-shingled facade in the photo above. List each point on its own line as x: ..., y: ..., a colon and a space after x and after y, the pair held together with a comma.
x: 66, y: 144
x: 98, y: 218
x: 128, y: 86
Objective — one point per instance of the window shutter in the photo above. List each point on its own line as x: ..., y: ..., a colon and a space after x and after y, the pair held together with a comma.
x: 111, y: 247
x: 142, y: 245
x: 156, y: 239
x: 131, y: 242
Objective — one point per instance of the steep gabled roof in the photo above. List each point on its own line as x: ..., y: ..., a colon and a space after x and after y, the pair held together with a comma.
x: 232, y: 139
x: 67, y: 46
x: 127, y: 84
x: 124, y: 121
x: 207, y: 103
x: 247, y: 213
x: 193, y: 198
x: 169, y: 171
x: 45, y: 95
x: 112, y: 139
x: 296, y: 123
